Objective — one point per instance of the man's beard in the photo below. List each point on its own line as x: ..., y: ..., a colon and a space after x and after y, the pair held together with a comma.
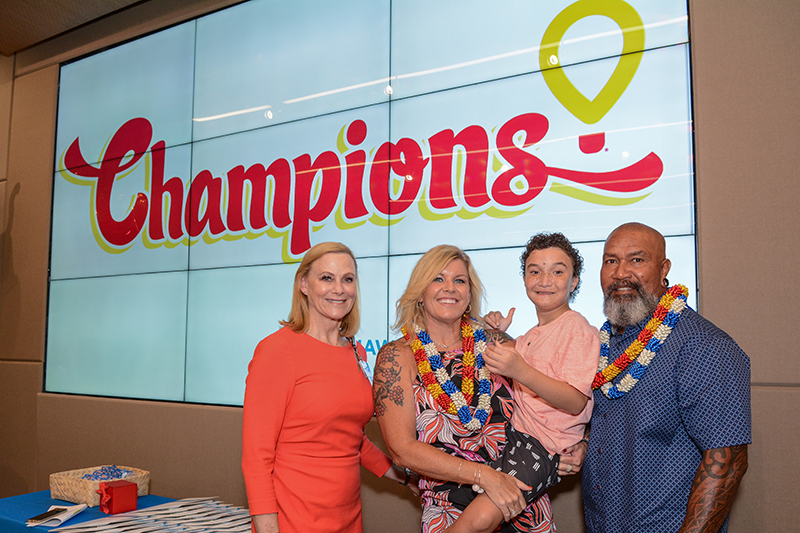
x: 628, y: 309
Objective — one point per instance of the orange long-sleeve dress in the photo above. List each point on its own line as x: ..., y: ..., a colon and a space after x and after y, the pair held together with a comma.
x: 305, y: 407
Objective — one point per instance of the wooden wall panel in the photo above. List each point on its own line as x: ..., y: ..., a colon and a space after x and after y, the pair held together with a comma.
x: 19, y: 382
x: 189, y: 450
x: 747, y: 123
x: 26, y: 246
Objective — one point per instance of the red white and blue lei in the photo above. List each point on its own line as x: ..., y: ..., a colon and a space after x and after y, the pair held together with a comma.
x: 438, y: 382
x: 643, y: 350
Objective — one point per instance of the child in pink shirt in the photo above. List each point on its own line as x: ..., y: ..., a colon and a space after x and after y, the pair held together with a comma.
x: 551, y: 368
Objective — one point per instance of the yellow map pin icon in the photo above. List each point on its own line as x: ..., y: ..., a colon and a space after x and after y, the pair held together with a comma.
x: 629, y: 21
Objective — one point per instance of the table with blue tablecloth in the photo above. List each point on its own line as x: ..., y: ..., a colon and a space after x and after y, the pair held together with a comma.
x: 14, y: 511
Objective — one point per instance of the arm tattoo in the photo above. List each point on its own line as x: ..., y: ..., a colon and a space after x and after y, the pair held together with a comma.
x: 493, y: 335
x: 386, y: 382
x: 714, y: 488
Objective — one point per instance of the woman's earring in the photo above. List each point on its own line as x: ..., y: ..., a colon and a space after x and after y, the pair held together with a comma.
x: 420, y: 304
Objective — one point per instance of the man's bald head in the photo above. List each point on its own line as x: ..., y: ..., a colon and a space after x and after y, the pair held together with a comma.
x: 641, y: 233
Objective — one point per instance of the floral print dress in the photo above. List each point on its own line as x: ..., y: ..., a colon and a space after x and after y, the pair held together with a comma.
x: 442, y: 502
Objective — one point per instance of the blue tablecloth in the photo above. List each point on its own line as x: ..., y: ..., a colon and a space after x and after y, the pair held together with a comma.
x: 16, y: 509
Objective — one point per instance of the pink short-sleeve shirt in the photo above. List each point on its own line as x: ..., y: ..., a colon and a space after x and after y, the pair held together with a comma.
x: 566, y: 349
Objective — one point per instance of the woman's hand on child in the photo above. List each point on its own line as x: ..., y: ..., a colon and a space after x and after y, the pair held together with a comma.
x: 505, y: 491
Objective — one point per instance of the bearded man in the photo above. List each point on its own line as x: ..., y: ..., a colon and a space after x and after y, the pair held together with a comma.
x: 671, y: 422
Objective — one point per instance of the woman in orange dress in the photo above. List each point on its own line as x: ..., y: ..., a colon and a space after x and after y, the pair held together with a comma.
x: 306, y: 403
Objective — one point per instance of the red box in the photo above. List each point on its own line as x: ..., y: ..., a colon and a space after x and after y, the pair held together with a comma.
x: 117, y: 496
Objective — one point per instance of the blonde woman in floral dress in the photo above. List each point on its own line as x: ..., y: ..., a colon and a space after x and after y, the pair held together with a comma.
x: 442, y: 413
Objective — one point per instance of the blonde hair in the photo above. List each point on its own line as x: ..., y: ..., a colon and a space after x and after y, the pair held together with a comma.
x: 298, y: 315
x: 425, y: 271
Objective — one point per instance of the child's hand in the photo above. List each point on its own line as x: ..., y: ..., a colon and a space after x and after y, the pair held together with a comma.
x: 503, y: 359
x: 496, y: 320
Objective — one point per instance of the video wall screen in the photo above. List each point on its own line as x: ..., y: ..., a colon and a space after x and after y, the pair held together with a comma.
x: 195, y: 167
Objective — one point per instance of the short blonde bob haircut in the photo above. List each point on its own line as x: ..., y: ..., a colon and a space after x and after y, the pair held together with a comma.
x: 427, y: 268
x: 298, y: 316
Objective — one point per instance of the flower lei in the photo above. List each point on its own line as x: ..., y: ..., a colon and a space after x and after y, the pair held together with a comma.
x: 641, y: 351
x: 438, y: 382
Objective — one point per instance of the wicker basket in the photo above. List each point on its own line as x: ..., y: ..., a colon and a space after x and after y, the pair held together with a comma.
x: 70, y: 486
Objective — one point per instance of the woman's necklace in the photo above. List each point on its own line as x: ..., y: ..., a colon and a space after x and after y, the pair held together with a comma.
x: 446, y: 346
x: 438, y: 382
x: 641, y: 351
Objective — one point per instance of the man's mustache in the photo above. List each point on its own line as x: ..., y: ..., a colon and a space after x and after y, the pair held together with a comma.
x: 622, y: 285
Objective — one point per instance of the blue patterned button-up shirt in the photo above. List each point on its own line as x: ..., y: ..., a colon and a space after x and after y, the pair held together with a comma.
x: 645, y: 448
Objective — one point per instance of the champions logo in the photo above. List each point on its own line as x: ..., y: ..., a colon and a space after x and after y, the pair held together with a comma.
x: 288, y: 199
x: 468, y: 173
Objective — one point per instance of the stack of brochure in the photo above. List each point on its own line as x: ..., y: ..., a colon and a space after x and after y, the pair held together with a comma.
x: 190, y: 514
x: 56, y: 515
